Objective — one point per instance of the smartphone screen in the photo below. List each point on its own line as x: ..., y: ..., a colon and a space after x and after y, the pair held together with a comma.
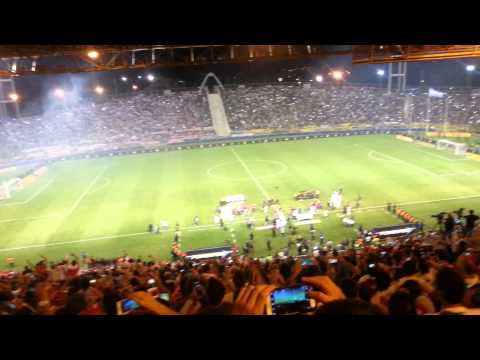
x: 307, y: 262
x: 290, y: 300
x: 129, y: 305
x: 164, y: 297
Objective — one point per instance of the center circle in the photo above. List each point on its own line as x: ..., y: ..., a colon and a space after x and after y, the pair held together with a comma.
x: 235, y: 171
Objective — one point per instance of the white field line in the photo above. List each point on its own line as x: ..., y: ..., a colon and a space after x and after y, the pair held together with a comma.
x: 254, y: 179
x: 33, y: 217
x: 73, y: 242
x: 403, y: 162
x: 107, y: 181
x: 31, y: 197
x: 85, y: 193
x: 212, y: 226
x: 439, y: 156
x: 372, y: 156
x: 65, y: 212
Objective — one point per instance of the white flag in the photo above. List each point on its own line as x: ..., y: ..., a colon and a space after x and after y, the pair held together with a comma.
x: 435, y: 93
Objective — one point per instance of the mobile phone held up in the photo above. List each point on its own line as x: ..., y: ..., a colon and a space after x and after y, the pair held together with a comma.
x: 291, y: 300
x: 125, y: 306
x: 307, y: 262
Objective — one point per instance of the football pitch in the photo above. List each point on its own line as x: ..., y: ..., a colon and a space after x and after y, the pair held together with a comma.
x: 102, y: 206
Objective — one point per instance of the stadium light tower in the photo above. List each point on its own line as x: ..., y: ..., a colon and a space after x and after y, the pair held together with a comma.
x: 99, y: 90
x: 470, y: 69
x: 59, y: 93
x: 150, y: 77
x: 93, y: 54
x: 319, y: 78
x: 13, y: 96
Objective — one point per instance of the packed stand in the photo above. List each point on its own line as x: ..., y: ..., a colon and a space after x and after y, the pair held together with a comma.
x: 425, y: 273
x: 293, y: 106
x: 290, y: 106
x: 145, y: 119
x: 463, y: 109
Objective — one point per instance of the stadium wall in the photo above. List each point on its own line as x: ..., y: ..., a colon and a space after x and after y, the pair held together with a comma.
x: 238, y: 139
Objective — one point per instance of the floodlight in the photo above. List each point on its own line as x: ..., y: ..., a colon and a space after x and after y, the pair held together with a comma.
x: 93, y: 54
x: 337, y: 75
x: 150, y: 77
x: 13, y: 96
x: 470, y: 67
x: 134, y: 87
x: 99, y: 90
x: 380, y: 72
x: 280, y: 79
x: 124, y: 78
x: 59, y: 93
x: 319, y: 78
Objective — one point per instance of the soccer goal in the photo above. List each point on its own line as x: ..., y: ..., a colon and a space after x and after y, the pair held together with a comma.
x: 4, y: 191
x: 457, y: 148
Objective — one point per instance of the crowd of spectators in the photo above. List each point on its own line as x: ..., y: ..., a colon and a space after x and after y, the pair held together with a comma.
x: 149, y: 119
x: 144, y: 119
x: 424, y: 273
x: 461, y: 106
x: 290, y: 106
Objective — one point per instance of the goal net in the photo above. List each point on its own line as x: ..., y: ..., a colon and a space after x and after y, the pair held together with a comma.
x: 4, y: 191
x: 8, y: 187
x: 457, y: 148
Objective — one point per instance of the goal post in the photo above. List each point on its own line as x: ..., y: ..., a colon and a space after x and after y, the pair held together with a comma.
x: 458, y: 149
x: 8, y: 187
x: 5, y: 191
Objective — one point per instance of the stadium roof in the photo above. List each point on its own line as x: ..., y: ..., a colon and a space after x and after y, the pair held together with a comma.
x: 40, y: 59
x: 377, y: 54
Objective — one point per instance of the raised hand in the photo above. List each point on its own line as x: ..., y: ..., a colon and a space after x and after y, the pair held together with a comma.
x: 325, y: 289
x: 252, y: 300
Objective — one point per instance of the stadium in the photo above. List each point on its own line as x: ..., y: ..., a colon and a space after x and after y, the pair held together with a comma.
x: 138, y: 184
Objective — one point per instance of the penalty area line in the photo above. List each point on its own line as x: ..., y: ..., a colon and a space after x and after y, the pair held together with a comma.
x: 41, y: 190
x: 67, y: 211
x: 395, y: 159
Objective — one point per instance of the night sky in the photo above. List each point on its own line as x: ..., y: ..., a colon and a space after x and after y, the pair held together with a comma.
x: 36, y: 90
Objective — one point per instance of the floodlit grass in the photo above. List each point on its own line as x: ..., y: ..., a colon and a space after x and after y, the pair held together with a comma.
x: 103, y: 206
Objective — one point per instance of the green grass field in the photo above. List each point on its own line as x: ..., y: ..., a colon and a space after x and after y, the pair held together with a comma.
x: 103, y: 206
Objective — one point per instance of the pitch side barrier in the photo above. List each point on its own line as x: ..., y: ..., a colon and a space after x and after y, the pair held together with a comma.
x: 470, y: 149
x: 227, y: 141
